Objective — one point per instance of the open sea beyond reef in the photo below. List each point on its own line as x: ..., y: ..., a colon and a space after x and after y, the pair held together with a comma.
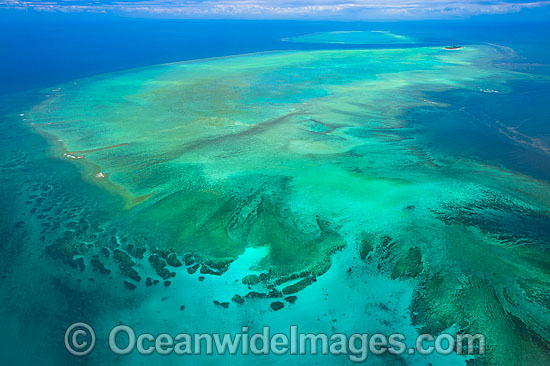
x: 201, y: 176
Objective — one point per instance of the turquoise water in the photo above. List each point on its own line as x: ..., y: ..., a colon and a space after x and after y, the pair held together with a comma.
x: 354, y: 37
x: 340, y: 165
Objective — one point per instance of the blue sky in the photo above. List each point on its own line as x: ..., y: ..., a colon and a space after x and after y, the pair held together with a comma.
x: 287, y: 9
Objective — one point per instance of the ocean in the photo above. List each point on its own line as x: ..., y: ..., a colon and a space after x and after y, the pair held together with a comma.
x: 153, y: 170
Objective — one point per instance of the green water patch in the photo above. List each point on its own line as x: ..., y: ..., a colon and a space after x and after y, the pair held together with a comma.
x: 303, y: 153
x: 321, y: 128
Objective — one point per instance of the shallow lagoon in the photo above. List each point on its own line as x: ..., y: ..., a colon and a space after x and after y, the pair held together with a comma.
x: 354, y: 37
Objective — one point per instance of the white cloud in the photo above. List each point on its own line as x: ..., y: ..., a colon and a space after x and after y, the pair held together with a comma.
x: 286, y: 9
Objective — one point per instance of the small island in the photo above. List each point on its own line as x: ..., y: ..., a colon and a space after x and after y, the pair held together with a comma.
x: 453, y: 47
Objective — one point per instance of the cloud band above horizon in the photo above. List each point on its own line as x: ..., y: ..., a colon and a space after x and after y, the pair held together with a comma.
x: 283, y: 9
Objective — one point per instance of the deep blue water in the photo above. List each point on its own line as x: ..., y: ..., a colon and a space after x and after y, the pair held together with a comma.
x: 469, y: 128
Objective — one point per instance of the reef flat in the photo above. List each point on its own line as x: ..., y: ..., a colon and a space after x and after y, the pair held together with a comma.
x: 305, y: 153
x: 354, y: 37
